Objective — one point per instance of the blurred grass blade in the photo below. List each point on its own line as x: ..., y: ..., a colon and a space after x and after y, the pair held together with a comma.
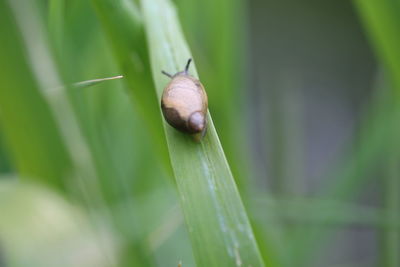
x: 217, y: 222
x: 391, y: 237
x: 30, y: 130
x: 309, y: 211
x: 89, y: 83
x: 38, y: 228
x: 56, y: 21
x: 122, y: 23
x: 374, y: 142
x: 47, y: 76
x: 382, y: 22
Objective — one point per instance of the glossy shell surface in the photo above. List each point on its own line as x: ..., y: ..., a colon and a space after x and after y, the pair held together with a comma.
x: 184, y: 104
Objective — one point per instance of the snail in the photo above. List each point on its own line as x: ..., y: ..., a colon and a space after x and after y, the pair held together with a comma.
x: 184, y: 103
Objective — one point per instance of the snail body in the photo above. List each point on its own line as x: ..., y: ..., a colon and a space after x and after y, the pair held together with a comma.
x: 184, y: 103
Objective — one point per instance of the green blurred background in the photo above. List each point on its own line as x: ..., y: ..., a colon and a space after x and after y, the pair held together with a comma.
x: 304, y: 97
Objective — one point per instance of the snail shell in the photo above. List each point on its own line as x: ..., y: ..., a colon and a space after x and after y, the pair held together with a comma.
x: 184, y: 103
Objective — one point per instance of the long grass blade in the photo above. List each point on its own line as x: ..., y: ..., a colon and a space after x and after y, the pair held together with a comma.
x: 216, y: 220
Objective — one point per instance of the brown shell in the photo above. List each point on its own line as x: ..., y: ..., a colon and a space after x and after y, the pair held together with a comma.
x: 184, y: 104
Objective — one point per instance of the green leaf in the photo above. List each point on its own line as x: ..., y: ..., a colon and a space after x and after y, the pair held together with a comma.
x: 219, y: 228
